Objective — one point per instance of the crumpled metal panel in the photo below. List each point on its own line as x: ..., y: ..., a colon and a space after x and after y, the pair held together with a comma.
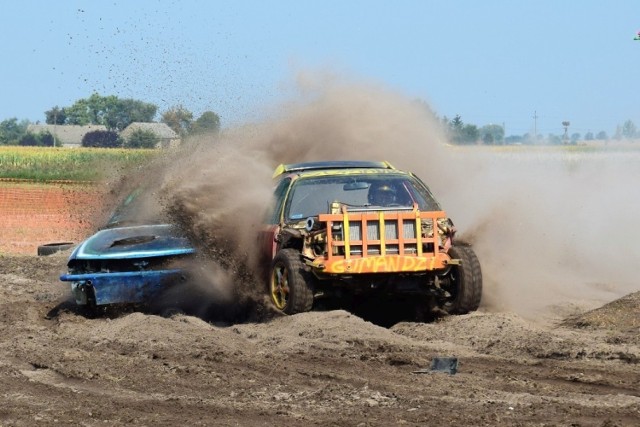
x: 140, y: 241
x: 124, y: 287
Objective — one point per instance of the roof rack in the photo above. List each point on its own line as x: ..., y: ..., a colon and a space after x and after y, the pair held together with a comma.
x: 339, y: 164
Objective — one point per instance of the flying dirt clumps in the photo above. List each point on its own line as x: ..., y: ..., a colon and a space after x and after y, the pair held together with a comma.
x: 218, y: 187
x: 222, y: 184
x: 546, y: 223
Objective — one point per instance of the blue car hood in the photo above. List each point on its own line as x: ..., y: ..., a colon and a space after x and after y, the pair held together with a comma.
x: 141, y: 241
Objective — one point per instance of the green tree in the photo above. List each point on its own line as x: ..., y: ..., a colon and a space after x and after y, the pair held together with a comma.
x: 141, y: 138
x: 46, y: 139
x: 110, y: 111
x: 129, y: 111
x: 575, y: 137
x: 40, y: 139
x: 55, y: 116
x: 455, y: 129
x: 470, y: 134
x: 102, y: 138
x: 456, y: 123
x: 492, y: 134
x: 207, y: 122
x: 602, y: 135
x: 11, y: 131
x: 179, y: 119
x: 88, y: 111
x: 588, y: 136
x: 629, y: 129
x: 459, y: 133
x: 29, y: 140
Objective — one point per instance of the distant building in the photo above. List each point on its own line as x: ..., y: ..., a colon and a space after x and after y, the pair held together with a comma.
x: 66, y: 135
x: 71, y: 135
x: 167, y: 136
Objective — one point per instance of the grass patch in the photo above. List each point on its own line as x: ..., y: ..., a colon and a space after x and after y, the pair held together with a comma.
x: 68, y: 164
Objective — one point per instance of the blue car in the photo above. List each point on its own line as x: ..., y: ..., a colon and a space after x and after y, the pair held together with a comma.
x: 135, y: 259
x: 131, y: 264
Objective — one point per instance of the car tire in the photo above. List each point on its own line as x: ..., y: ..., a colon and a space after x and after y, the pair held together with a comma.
x: 290, y: 286
x: 52, y: 248
x: 465, y: 282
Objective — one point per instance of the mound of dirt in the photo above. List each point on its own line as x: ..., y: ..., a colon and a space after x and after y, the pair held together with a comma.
x: 620, y: 315
x: 324, y: 367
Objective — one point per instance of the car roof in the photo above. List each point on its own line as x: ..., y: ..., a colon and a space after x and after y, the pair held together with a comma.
x: 330, y: 165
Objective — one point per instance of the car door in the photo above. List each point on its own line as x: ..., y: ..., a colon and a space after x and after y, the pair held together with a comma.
x: 267, y: 235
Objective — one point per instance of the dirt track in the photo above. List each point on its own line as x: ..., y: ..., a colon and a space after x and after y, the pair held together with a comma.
x: 320, y: 368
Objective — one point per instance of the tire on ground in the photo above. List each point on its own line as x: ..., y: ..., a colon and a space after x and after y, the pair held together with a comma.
x: 290, y: 286
x: 465, y: 282
x: 52, y: 248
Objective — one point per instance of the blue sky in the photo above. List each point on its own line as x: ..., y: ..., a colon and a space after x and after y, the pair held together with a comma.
x: 491, y: 62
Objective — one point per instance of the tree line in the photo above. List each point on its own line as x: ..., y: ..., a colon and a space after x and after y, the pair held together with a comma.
x: 459, y: 132
x: 115, y: 114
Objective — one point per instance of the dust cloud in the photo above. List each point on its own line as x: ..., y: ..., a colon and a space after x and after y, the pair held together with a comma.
x: 552, y: 229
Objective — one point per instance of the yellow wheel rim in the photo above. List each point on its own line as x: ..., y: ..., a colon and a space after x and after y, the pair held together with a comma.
x: 280, y: 286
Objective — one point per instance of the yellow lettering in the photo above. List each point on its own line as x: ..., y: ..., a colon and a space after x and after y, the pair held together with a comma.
x: 408, y: 264
x: 394, y: 264
x: 338, y: 267
x: 381, y: 264
x: 367, y: 264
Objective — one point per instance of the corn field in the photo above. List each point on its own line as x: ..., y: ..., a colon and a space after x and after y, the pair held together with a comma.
x: 65, y: 164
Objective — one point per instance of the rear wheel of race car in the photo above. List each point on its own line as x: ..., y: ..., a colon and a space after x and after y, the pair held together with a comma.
x: 289, y: 285
x: 465, y: 282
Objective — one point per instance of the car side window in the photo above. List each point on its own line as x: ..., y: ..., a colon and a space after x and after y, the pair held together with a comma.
x: 278, y: 201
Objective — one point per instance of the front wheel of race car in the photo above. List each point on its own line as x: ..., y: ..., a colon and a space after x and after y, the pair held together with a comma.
x: 290, y: 290
x: 464, y: 283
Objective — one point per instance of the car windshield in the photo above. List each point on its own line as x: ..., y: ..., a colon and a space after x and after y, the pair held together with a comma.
x: 136, y: 209
x: 313, y: 195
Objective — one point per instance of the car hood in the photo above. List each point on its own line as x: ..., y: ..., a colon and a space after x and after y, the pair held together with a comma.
x: 141, y: 241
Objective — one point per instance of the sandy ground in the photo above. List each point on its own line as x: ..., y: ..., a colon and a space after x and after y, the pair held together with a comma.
x: 58, y: 367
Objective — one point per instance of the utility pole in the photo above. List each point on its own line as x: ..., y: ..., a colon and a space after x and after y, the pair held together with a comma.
x: 565, y: 137
x: 535, y: 126
x: 55, y: 126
